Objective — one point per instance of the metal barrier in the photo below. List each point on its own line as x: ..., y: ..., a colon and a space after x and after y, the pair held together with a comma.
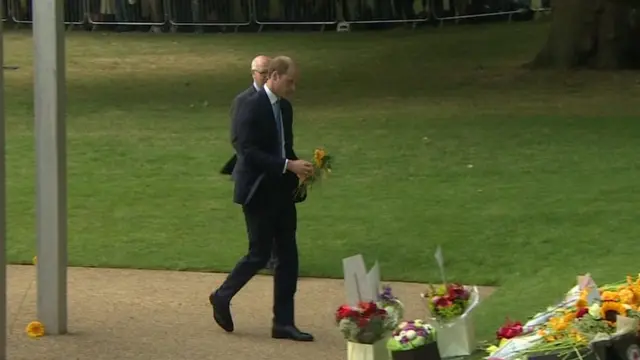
x: 203, y: 13
x: 470, y: 9
x: 295, y: 12
x: 20, y: 10
x: 384, y: 11
x: 126, y: 12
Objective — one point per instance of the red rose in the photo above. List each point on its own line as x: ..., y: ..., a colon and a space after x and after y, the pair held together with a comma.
x: 344, y: 312
x: 442, y: 301
x: 509, y: 330
x: 363, y: 322
x: 368, y: 308
x: 582, y: 312
x: 457, y: 291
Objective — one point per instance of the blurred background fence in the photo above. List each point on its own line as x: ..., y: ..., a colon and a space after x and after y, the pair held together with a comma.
x: 202, y: 15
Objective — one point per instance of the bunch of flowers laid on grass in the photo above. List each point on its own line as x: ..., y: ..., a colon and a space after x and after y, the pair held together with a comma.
x: 509, y: 330
x: 366, y: 323
x: 410, y: 335
x: 572, y: 325
x: 447, y: 302
x: 321, y: 168
x: 391, y: 304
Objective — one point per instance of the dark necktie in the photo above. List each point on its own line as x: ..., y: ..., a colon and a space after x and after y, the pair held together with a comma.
x: 277, y: 114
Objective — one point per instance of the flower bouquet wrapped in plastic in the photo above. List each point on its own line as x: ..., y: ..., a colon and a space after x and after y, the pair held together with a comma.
x: 366, y: 328
x: 450, y: 307
x: 391, y: 304
x: 413, y: 340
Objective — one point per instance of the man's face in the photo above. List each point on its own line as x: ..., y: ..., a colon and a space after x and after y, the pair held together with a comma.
x: 285, y: 84
x: 259, y: 74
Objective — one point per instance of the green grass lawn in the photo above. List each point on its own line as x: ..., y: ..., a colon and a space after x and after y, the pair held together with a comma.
x: 440, y: 137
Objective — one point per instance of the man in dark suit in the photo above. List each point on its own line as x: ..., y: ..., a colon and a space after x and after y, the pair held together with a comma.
x: 259, y: 69
x: 266, y: 177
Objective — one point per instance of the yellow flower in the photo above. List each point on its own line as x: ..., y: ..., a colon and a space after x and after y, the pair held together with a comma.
x: 611, y: 306
x: 626, y: 296
x: 610, y: 296
x: 579, y: 338
x: 318, y: 157
x: 34, y: 261
x: 491, y: 349
x: 35, y: 329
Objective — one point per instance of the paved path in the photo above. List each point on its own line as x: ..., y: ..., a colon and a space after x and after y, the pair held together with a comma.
x: 162, y: 315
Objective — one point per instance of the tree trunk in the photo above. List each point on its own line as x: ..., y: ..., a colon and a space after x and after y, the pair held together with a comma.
x: 597, y: 34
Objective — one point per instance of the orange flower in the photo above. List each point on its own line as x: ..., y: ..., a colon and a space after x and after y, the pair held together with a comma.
x: 610, y: 296
x: 626, y: 296
x: 611, y: 308
x: 35, y: 329
x: 318, y: 157
x: 559, y: 323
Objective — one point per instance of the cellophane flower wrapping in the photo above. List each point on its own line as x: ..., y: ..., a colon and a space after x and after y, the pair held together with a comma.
x: 392, y: 305
x: 451, y: 310
x: 366, y: 323
x: 578, y: 321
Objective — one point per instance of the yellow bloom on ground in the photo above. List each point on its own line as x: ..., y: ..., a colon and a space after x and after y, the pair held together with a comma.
x: 491, y: 349
x: 626, y: 296
x: 611, y: 306
x: 34, y: 261
x: 610, y: 296
x: 35, y: 329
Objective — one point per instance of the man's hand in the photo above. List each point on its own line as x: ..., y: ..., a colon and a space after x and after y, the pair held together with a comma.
x: 302, y: 168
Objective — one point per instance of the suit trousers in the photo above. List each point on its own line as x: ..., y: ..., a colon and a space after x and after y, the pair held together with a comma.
x: 271, y: 225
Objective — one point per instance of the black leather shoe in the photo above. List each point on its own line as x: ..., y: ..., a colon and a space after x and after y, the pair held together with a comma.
x: 221, y: 313
x: 290, y: 332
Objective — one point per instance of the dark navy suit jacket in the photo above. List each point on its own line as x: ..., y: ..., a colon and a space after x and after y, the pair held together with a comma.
x: 260, y: 166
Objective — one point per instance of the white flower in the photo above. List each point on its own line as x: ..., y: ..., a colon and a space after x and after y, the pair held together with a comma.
x: 627, y: 306
x: 398, y: 337
x: 594, y: 311
x: 403, y: 324
x: 402, y: 333
x: 411, y: 334
x: 418, y: 322
x: 390, y: 310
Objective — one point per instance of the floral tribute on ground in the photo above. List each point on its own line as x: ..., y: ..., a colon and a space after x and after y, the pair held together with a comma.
x: 451, y: 307
x: 588, y: 314
x: 391, y: 304
x: 365, y: 323
x: 447, y: 302
x: 411, y: 335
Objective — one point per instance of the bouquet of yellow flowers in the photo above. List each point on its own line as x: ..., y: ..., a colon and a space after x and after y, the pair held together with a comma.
x: 321, y: 168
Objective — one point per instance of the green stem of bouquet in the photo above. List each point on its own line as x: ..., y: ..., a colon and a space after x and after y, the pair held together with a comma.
x: 563, y: 349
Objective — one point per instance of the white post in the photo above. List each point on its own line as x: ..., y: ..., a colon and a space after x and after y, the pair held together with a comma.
x: 51, y: 188
x: 3, y: 211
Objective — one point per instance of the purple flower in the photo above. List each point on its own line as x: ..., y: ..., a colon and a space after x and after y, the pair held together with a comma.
x: 386, y: 294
